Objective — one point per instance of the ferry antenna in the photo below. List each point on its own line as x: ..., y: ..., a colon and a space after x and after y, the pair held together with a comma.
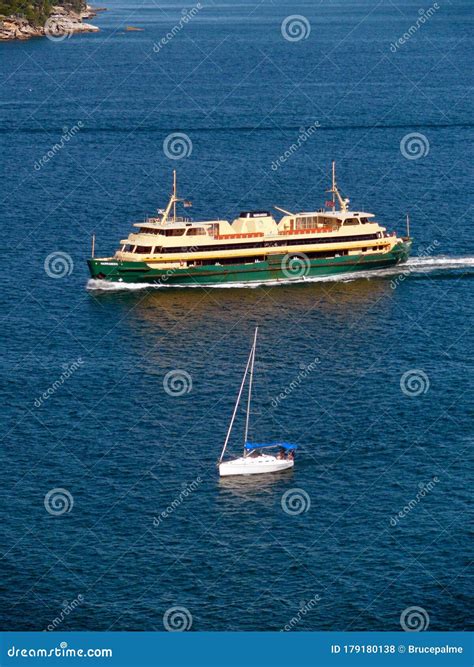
x: 282, y: 210
x: 334, y: 184
x: 174, y: 195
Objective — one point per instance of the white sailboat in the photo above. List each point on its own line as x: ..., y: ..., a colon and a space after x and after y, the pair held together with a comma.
x: 254, y: 461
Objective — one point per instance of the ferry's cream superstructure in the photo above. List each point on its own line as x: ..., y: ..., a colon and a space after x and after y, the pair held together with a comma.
x: 171, y: 250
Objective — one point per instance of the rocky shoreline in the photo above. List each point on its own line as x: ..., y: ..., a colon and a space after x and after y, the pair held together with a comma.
x: 61, y: 23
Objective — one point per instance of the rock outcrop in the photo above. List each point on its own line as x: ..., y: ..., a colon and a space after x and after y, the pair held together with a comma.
x: 60, y: 24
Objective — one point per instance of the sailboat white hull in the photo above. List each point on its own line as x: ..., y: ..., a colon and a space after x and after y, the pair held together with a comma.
x: 254, y: 465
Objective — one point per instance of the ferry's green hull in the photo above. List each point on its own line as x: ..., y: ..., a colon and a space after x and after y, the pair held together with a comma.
x: 275, y: 268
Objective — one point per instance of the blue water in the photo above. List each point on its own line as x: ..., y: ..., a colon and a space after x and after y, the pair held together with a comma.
x: 122, y: 447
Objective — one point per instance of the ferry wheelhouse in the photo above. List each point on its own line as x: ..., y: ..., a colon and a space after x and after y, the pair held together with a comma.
x: 173, y: 250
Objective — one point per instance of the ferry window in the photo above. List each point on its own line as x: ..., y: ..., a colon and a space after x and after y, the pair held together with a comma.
x: 351, y: 221
x: 149, y: 230
x: 143, y: 250
x: 196, y: 231
x: 306, y: 223
x: 364, y: 221
x: 174, y: 232
x: 129, y: 248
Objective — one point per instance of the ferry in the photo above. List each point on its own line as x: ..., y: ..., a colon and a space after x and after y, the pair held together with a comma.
x: 171, y: 250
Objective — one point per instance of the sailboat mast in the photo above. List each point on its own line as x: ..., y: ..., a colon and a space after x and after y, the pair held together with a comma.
x: 247, y: 418
x: 236, y: 405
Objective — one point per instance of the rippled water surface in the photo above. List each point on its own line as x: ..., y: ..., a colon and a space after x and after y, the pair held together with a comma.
x: 376, y: 520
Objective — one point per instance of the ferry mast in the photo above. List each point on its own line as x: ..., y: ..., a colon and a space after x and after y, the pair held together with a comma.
x: 343, y: 202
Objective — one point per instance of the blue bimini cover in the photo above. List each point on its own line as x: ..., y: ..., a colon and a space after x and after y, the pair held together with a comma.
x: 249, y: 446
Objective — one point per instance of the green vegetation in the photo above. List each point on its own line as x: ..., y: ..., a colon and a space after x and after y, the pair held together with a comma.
x: 36, y: 11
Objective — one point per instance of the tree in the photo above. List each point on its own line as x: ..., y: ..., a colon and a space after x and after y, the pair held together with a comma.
x: 36, y: 11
